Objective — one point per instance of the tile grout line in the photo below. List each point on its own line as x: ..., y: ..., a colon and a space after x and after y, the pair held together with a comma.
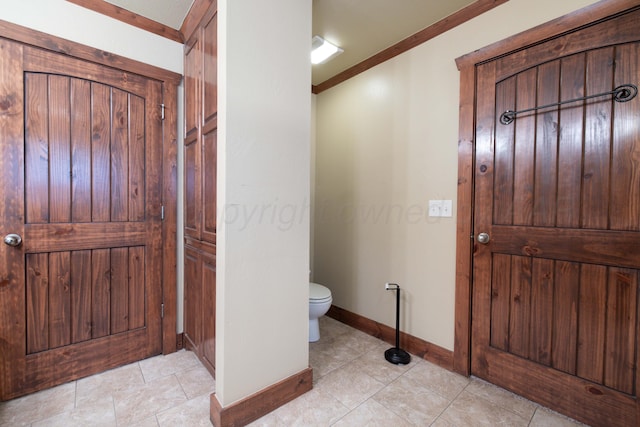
x: 384, y: 406
x: 348, y: 410
x: 450, y: 402
x: 532, y: 417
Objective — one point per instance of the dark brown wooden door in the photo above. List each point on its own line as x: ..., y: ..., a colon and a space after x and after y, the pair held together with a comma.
x: 81, y: 183
x: 200, y: 154
x: 555, y: 293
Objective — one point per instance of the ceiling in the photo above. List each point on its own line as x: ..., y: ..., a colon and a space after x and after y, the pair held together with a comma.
x: 361, y: 27
x: 168, y: 12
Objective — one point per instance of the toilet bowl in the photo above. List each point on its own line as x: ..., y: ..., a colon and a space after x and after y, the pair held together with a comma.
x: 319, y: 303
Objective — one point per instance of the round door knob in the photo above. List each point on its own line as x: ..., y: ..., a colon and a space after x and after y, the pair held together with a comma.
x: 483, y: 238
x: 12, y: 239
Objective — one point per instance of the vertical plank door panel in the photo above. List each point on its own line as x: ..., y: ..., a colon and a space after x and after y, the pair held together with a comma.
x: 36, y: 150
x: 621, y: 334
x: 503, y: 163
x: 80, y: 151
x: 119, y: 290
x: 37, y: 284
x: 500, y: 298
x: 520, y: 310
x: 81, y: 288
x: 596, y: 181
x: 570, y: 142
x: 592, y: 315
x: 59, y: 299
x: 100, y: 148
x: 100, y: 292
x: 565, y: 314
x: 137, y: 144
x: 542, y: 285
x: 137, y: 311
x: 119, y: 155
x: 525, y: 148
x: 546, y: 173
x: 60, y: 149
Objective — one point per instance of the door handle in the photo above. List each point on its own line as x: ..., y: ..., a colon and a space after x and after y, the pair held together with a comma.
x: 483, y: 238
x: 12, y: 239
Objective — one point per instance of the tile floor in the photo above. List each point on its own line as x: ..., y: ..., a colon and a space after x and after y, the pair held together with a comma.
x: 353, y: 386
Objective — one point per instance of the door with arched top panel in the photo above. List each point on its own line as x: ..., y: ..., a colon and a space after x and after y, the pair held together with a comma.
x: 81, y: 161
x: 556, y: 273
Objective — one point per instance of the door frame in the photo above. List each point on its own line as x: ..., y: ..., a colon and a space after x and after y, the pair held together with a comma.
x: 466, y: 64
x: 170, y: 82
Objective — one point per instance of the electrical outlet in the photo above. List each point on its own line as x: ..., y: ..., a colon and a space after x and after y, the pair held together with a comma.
x: 442, y: 208
x: 435, y: 207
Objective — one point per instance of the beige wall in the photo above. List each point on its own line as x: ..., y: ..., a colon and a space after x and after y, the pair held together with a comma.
x: 386, y: 143
x: 263, y: 194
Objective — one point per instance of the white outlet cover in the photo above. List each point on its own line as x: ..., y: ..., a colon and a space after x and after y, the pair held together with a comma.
x: 435, y: 207
x: 441, y: 208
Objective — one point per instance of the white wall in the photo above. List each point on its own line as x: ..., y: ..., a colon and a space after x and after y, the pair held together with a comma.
x: 264, y: 136
x: 386, y: 144
x: 69, y: 21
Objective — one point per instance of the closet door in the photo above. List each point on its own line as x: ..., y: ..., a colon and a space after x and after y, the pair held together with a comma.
x: 201, y: 125
x: 209, y: 309
x: 192, y: 298
x: 192, y: 141
x: 209, y: 128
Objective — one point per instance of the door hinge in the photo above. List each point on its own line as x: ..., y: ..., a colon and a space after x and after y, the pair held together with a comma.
x: 162, y: 212
x: 161, y: 111
x: 162, y: 311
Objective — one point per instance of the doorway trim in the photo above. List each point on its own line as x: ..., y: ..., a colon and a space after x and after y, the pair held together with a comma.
x: 466, y: 64
x: 170, y: 81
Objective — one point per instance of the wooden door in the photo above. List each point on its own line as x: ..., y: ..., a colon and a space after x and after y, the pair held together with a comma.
x: 192, y: 140
x: 200, y: 154
x: 209, y: 129
x: 209, y: 309
x: 201, y: 126
x: 81, y: 156
x: 555, y: 291
x: 193, y: 300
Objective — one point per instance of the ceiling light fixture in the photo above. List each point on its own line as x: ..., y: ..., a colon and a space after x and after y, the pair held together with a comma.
x: 322, y: 50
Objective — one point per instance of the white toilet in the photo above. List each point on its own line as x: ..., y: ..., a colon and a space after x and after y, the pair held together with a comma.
x: 319, y: 303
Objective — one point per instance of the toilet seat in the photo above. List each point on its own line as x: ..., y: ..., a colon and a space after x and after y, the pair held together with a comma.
x: 318, y: 294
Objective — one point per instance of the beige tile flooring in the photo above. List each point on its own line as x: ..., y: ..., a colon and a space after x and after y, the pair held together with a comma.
x: 353, y: 386
x: 170, y: 390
